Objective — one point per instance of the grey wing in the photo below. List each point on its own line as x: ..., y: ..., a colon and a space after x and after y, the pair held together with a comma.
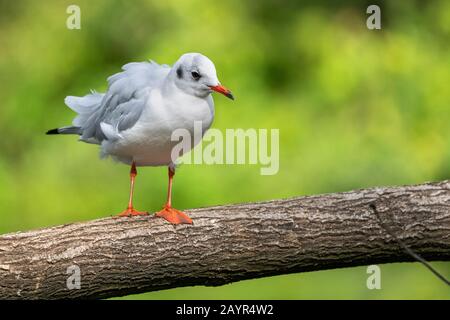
x: 121, y: 116
x: 122, y: 105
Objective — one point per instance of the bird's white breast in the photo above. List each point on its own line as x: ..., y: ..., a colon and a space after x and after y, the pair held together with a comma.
x: 149, y: 142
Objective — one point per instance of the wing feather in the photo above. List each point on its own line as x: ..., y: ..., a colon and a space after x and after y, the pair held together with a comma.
x: 105, y: 116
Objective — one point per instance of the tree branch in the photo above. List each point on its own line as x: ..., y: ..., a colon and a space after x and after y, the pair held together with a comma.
x: 227, y: 243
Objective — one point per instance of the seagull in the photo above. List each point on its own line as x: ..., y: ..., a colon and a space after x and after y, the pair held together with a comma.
x: 133, y: 120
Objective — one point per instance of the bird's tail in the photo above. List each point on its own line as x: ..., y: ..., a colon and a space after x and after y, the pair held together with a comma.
x: 66, y: 130
x: 84, y: 107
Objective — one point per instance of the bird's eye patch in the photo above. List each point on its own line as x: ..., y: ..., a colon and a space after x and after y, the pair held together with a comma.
x: 180, y: 72
x: 195, y: 75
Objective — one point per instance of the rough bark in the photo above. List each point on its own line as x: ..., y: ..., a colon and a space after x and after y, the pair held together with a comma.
x: 227, y: 243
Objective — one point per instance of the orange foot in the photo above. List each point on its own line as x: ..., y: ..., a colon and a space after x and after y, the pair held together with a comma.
x: 174, y: 216
x: 130, y: 212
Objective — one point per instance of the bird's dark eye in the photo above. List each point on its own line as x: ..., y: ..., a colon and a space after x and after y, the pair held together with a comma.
x: 195, y: 75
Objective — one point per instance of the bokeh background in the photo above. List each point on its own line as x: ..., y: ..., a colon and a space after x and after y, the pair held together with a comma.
x: 355, y: 108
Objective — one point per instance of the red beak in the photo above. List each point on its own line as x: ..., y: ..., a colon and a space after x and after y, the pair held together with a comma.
x: 221, y: 89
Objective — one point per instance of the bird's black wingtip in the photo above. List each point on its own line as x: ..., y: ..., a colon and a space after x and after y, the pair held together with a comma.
x: 52, y: 131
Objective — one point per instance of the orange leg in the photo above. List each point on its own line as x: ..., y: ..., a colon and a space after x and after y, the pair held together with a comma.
x: 172, y: 215
x: 130, y: 211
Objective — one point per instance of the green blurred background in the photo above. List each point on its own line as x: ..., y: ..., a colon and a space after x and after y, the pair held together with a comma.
x: 355, y: 108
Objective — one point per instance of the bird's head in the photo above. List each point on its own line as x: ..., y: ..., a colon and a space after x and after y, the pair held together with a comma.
x: 196, y: 74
